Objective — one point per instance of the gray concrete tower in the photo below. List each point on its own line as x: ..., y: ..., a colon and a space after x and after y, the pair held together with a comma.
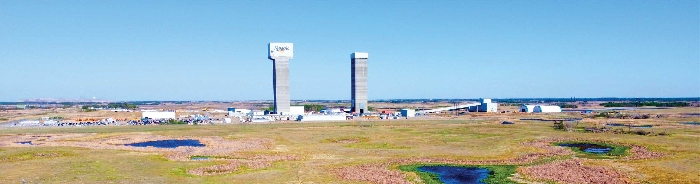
x: 358, y: 86
x: 280, y: 54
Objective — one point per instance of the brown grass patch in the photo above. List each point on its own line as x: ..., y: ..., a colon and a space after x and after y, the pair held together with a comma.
x: 574, y: 171
x: 252, y: 162
x: 373, y: 173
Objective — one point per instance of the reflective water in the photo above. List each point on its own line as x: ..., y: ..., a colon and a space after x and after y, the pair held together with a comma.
x: 455, y: 174
x: 25, y: 142
x: 199, y: 158
x: 616, y: 124
x: 589, y: 148
x: 633, y: 126
x: 691, y: 123
x: 172, y: 143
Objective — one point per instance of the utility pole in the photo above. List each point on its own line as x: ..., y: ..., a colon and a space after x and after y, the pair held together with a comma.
x: 455, y: 109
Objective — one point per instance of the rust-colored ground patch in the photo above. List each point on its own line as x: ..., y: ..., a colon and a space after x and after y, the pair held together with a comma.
x: 574, y: 171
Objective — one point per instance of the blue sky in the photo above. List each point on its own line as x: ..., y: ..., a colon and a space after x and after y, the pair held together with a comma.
x: 216, y: 50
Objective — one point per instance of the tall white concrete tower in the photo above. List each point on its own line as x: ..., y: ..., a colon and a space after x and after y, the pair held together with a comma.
x: 358, y: 84
x: 280, y: 54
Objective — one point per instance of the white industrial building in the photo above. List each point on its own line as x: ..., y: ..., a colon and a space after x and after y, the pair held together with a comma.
x: 540, y: 108
x: 484, y: 106
x: 256, y: 113
x: 487, y: 106
x: 261, y: 119
x: 528, y: 108
x: 547, y: 108
x: 158, y: 115
x: 337, y: 117
x: 332, y: 111
x: 296, y: 110
x: 234, y: 112
x: 408, y: 113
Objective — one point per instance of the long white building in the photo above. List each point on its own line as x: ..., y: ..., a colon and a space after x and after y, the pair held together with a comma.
x: 158, y: 115
x: 540, y: 108
x: 547, y: 108
x: 528, y: 108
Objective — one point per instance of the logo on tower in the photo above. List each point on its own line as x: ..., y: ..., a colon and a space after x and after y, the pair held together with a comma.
x: 280, y: 50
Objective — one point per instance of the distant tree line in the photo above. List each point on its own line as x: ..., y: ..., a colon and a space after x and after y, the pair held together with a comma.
x: 89, y: 108
x: 564, y: 105
x: 270, y: 108
x: 314, y: 107
x: 122, y: 106
x: 640, y: 104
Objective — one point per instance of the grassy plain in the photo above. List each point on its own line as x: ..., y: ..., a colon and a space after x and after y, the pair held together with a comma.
x: 327, y: 146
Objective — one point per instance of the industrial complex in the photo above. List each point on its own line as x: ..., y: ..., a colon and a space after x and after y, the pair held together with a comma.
x: 283, y: 110
x: 437, y: 126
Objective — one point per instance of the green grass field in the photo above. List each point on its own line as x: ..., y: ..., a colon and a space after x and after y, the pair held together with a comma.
x: 323, y: 147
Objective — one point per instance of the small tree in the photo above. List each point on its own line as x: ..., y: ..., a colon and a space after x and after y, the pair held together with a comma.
x: 270, y: 108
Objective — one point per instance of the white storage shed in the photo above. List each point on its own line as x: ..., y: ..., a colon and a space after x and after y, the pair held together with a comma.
x: 528, y: 108
x: 547, y: 108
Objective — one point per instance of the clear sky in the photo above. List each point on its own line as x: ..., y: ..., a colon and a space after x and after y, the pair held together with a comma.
x: 217, y: 50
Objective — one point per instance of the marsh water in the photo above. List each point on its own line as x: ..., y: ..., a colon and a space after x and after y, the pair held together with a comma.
x: 588, y: 148
x: 199, y: 158
x: 172, y: 143
x: 456, y: 174
x: 633, y: 126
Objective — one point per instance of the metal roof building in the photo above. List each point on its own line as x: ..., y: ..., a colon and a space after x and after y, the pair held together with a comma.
x: 528, y: 108
x: 547, y: 108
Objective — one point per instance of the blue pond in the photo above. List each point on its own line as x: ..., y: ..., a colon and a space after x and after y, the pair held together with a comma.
x: 691, y: 114
x: 455, y: 174
x: 168, y: 143
x: 692, y: 123
x: 615, y: 124
x: 199, y: 158
x: 588, y: 148
x: 25, y: 142
x: 633, y: 126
